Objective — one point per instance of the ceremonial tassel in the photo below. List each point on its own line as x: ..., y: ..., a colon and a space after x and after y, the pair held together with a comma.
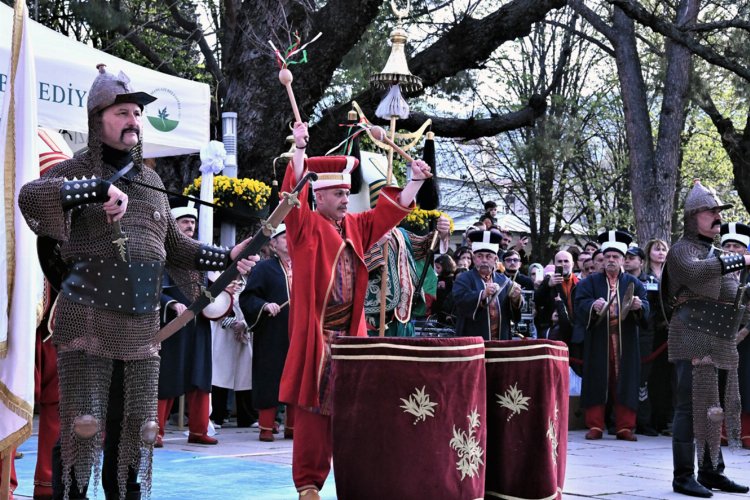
x: 273, y: 200
x: 351, y: 148
x: 393, y: 104
x: 428, y: 196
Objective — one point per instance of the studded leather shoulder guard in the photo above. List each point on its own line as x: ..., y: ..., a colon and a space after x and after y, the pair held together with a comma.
x: 212, y: 258
x: 83, y: 191
x: 731, y: 262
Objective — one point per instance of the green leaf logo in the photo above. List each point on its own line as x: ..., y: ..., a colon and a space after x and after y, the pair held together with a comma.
x: 164, y: 113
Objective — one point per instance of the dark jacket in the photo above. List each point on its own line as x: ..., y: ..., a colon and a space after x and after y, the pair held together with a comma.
x: 596, y: 344
x: 472, y: 314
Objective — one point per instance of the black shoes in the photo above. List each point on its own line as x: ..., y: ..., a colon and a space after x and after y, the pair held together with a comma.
x: 646, y: 430
x: 718, y: 481
x: 687, y: 485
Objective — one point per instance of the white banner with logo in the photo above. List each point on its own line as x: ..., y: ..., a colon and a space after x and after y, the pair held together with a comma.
x: 176, y: 123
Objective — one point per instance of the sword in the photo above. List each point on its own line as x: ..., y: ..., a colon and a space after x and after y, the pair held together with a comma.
x: 230, y: 274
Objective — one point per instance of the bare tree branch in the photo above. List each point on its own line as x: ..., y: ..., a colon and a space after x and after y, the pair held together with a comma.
x: 719, y: 25
x: 580, y: 34
x: 146, y: 51
x: 472, y: 128
x: 635, y: 11
x: 594, y: 19
x: 196, y: 34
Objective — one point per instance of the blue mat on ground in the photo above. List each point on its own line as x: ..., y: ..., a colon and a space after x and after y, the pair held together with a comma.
x: 182, y: 475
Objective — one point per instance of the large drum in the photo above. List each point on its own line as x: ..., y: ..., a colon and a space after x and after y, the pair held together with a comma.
x: 409, y: 418
x: 527, y: 418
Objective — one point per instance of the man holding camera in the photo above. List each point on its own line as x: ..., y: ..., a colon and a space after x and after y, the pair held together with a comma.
x: 556, y: 294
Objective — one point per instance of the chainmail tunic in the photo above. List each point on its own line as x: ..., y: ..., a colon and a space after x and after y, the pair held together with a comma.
x: 694, y: 272
x: 89, y: 338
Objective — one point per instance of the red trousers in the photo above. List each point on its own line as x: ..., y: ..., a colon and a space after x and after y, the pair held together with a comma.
x: 745, y: 432
x: 267, y: 418
x: 625, y: 418
x: 47, y: 395
x: 313, y: 449
x: 197, y: 402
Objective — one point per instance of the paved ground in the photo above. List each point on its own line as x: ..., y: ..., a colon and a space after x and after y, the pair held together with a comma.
x: 241, y: 467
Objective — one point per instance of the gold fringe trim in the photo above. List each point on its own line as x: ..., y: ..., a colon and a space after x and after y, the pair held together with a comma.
x: 9, y: 173
x: 23, y: 410
x: 3, y: 349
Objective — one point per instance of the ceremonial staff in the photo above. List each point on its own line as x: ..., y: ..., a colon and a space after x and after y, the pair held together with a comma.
x: 395, y: 75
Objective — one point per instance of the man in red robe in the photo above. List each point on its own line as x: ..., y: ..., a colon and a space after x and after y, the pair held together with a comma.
x: 327, y: 249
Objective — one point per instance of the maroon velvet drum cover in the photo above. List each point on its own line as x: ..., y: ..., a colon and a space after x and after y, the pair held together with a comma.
x: 408, y: 418
x: 527, y: 418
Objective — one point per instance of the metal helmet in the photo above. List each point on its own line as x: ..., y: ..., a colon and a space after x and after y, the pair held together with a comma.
x: 701, y: 198
x: 109, y: 89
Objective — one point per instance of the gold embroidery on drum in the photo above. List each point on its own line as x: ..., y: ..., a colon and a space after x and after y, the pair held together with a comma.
x: 552, y: 434
x: 514, y: 400
x: 467, y: 447
x: 419, y: 405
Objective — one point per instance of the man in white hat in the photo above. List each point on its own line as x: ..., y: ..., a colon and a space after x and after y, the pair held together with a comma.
x: 735, y: 238
x: 265, y: 304
x: 327, y: 247
x: 186, y: 363
x: 611, y: 353
x: 485, y: 300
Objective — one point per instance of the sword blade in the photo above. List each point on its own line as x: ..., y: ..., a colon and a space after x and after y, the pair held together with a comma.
x: 174, y: 326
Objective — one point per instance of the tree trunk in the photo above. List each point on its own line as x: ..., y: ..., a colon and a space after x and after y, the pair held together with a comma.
x: 668, y: 155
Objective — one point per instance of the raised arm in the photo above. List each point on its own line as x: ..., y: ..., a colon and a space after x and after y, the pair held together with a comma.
x: 419, y: 172
x: 301, y: 138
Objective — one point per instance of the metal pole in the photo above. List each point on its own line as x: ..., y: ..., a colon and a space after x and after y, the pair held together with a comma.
x: 229, y: 138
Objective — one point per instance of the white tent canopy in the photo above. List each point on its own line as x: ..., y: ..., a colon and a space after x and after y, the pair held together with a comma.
x: 176, y: 123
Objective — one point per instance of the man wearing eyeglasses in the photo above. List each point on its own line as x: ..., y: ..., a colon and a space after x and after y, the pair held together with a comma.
x: 512, y: 263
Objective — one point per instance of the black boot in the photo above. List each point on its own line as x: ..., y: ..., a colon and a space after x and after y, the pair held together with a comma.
x: 683, y: 456
x: 714, y: 478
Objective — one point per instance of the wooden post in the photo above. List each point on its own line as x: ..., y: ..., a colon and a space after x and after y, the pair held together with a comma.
x: 384, y: 269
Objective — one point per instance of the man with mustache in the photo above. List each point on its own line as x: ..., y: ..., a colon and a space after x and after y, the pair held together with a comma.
x: 699, y: 285
x: 115, y: 238
x: 611, y: 354
x: 327, y: 249
x: 485, y: 300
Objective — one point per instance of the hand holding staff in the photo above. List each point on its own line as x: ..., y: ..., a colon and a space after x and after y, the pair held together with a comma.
x: 379, y: 134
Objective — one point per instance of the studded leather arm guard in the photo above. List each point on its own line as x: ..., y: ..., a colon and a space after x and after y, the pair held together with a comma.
x: 731, y: 262
x: 211, y: 258
x: 78, y: 192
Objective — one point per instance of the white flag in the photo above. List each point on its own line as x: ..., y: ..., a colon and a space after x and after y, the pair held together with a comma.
x: 20, y: 291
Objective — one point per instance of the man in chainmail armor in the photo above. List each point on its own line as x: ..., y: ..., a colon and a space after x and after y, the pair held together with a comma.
x: 116, y: 236
x: 702, y: 342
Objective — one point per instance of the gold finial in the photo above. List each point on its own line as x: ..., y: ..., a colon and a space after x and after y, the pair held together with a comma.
x: 396, y: 70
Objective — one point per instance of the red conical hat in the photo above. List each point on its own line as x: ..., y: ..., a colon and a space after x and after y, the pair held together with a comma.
x: 333, y: 171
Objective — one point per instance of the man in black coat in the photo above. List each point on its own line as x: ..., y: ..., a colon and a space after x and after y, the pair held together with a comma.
x: 611, y: 356
x: 264, y: 303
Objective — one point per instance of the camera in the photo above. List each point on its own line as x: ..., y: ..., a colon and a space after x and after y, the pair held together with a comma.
x: 559, y: 270
x: 523, y: 327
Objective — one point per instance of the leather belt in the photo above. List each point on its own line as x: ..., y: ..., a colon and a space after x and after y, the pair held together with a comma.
x: 128, y: 287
